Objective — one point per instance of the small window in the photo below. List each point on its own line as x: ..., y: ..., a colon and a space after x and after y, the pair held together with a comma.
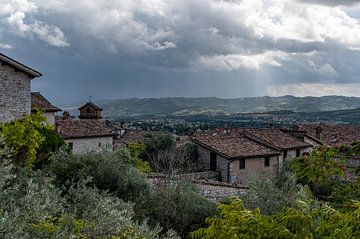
x: 298, y: 153
x: 99, y: 145
x: 267, y: 161
x: 285, y: 154
x: 242, y: 164
x: 71, y: 146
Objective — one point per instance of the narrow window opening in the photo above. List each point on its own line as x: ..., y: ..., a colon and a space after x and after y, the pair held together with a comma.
x: 267, y: 161
x: 242, y: 164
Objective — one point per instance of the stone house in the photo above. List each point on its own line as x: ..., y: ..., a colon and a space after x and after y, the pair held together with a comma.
x: 237, y: 157
x: 85, y: 134
x: 261, y: 149
x: 39, y: 102
x: 15, y: 88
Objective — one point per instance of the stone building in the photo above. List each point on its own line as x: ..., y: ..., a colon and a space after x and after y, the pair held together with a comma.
x: 238, y: 152
x: 15, y: 88
x: 88, y: 133
x: 237, y: 157
x: 39, y: 102
x: 90, y: 111
x: 84, y: 135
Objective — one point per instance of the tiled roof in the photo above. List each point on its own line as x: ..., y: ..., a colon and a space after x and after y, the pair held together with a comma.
x: 236, y: 147
x: 90, y: 104
x: 133, y: 136
x: 270, y: 136
x: 84, y: 128
x: 278, y: 138
x: 40, y: 102
x: 332, y: 134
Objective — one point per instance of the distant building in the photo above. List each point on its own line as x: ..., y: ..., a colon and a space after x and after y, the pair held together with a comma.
x: 332, y: 134
x: 238, y: 152
x: 15, y: 88
x: 39, y: 102
x: 90, y: 111
x: 89, y: 133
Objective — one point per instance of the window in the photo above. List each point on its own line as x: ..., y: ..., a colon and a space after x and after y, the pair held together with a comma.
x: 242, y: 164
x: 298, y: 153
x: 213, y: 163
x: 285, y: 154
x: 99, y: 145
x: 267, y: 161
x: 71, y: 145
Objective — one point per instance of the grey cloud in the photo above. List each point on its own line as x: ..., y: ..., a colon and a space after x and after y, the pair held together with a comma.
x: 138, y: 53
x: 332, y: 2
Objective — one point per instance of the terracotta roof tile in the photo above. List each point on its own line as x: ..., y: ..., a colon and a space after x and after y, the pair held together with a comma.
x: 40, y: 102
x: 236, y: 147
x: 84, y: 128
x: 332, y: 134
x: 270, y: 136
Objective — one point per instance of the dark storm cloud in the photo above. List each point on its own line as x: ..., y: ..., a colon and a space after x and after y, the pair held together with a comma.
x: 113, y: 49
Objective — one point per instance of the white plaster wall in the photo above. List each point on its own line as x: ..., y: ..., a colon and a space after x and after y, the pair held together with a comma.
x: 50, y: 118
x: 84, y: 145
x: 15, y: 98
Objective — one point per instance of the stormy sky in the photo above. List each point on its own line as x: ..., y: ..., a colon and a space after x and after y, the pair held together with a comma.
x: 111, y: 49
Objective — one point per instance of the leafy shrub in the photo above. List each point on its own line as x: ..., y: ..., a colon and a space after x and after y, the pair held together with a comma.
x: 179, y: 207
x: 304, y: 221
x: 24, y: 138
x: 135, y: 151
x: 109, y: 171
x: 52, y: 143
x: 321, y: 170
x: 271, y: 195
x: 31, y: 207
x: 31, y: 141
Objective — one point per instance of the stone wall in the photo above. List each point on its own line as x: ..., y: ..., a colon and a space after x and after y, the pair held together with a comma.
x: 15, y: 98
x: 204, y: 182
x: 84, y: 145
x: 216, y: 191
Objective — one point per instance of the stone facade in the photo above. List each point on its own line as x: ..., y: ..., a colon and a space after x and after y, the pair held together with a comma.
x: 84, y: 145
x: 237, y: 175
x: 253, y: 165
x: 15, y: 98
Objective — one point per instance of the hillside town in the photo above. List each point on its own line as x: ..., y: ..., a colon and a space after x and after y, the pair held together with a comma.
x: 235, y: 153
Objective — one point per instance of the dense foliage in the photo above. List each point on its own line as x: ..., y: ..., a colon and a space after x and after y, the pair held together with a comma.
x: 179, y: 207
x: 31, y: 140
x: 271, y: 195
x: 308, y: 220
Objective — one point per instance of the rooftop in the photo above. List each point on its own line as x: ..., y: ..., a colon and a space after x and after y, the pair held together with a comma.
x: 84, y: 128
x: 236, y: 147
x: 332, y: 134
x: 21, y: 67
x: 40, y: 102
x: 269, y: 136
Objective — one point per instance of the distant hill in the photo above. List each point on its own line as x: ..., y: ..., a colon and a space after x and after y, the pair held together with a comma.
x: 136, y: 107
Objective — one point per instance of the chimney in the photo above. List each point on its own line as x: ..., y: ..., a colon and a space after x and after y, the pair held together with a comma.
x: 318, y: 131
x: 66, y: 115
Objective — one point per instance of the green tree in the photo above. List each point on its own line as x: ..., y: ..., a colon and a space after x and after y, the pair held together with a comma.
x: 23, y: 137
x: 304, y: 221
